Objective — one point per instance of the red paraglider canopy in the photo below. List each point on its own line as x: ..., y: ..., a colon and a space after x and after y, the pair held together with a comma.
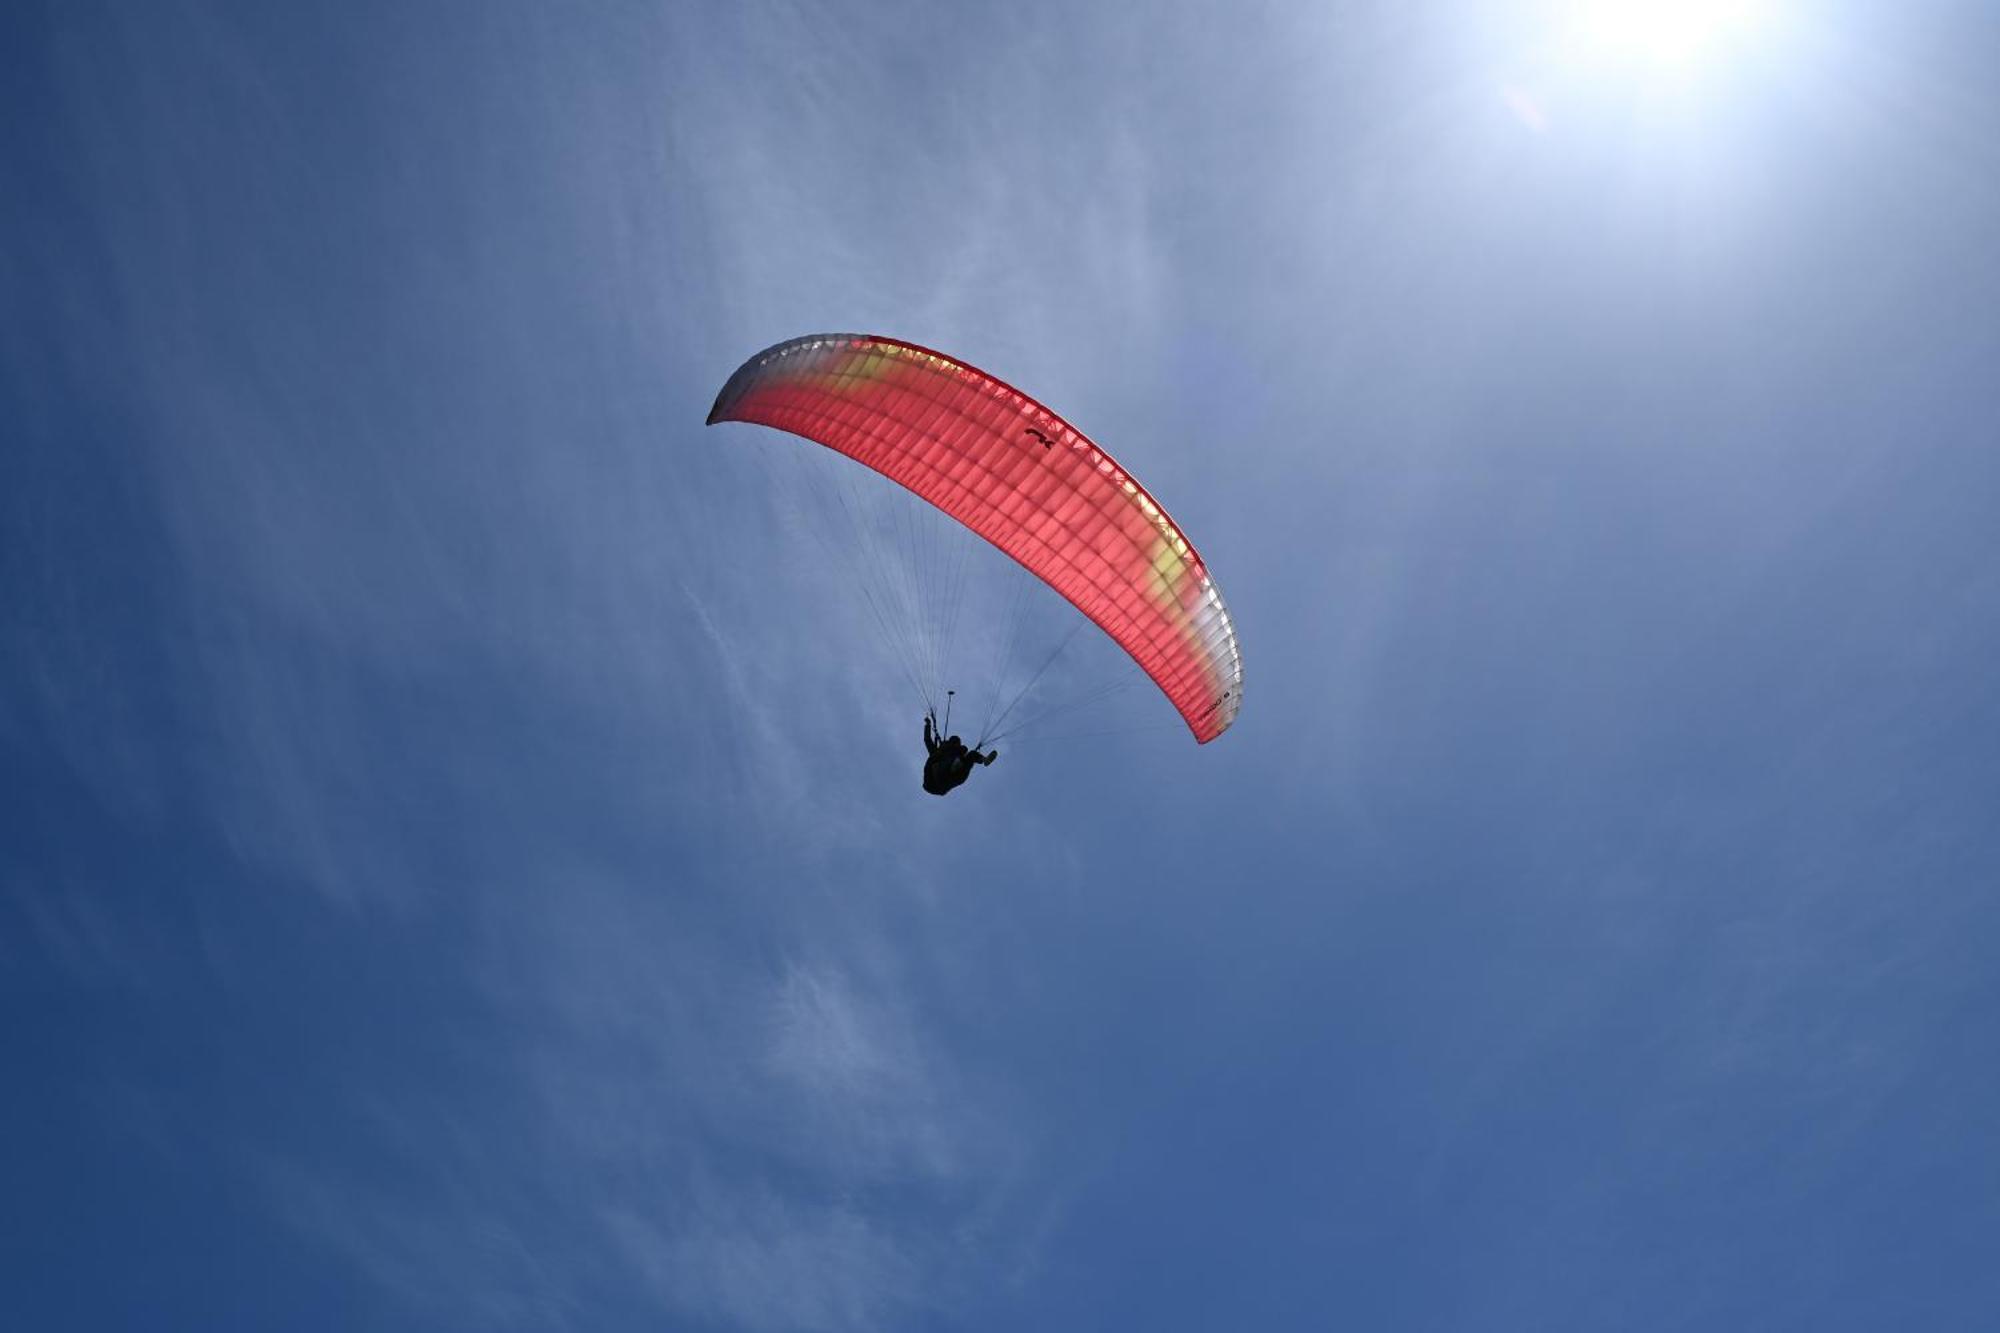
x: 1024, y: 479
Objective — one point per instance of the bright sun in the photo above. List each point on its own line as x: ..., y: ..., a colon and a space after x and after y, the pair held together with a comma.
x: 1670, y: 60
x: 1669, y: 32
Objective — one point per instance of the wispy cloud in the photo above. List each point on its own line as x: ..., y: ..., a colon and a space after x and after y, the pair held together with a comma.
x: 763, y: 1264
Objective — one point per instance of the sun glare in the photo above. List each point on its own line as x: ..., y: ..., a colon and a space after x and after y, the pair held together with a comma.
x: 1668, y: 62
x: 1668, y: 32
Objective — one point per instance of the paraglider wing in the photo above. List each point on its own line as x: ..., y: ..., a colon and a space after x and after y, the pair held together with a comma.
x: 1024, y: 479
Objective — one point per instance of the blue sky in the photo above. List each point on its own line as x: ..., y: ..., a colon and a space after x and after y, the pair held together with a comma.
x: 464, y: 866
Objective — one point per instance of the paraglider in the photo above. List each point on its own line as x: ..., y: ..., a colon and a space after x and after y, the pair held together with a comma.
x: 1010, y: 470
x: 949, y: 762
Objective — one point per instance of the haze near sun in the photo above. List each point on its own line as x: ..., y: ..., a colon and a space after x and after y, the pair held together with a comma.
x: 1671, y: 33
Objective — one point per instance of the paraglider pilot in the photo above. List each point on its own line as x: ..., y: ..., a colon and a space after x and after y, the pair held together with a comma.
x: 950, y: 762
